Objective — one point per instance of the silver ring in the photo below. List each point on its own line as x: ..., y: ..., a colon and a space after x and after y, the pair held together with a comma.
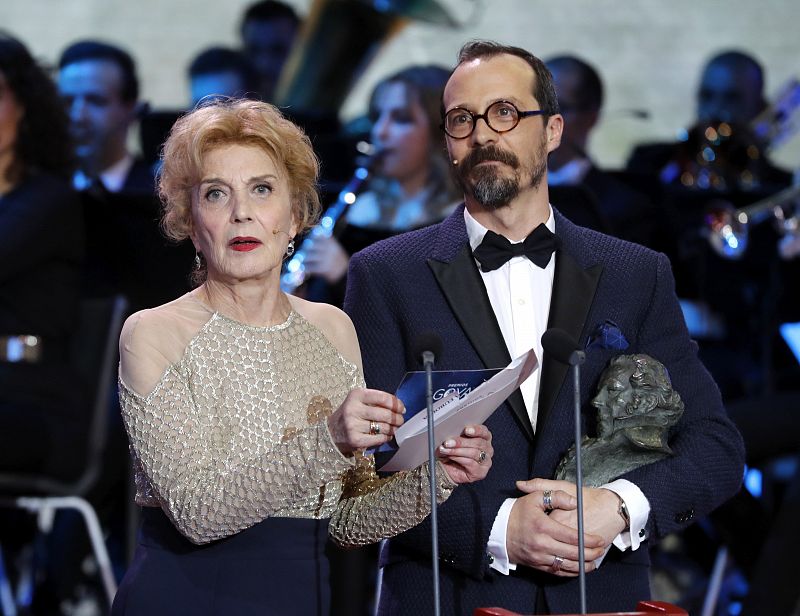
x: 547, y: 500
x: 374, y: 427
x: 557, y: 562
x: 481, y: 457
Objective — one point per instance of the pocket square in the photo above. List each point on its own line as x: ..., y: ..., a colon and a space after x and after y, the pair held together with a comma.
x: 607, y: 335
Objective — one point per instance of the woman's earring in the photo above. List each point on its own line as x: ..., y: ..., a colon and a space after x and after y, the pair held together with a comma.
x: 198, y: 263
x: 290, y: 248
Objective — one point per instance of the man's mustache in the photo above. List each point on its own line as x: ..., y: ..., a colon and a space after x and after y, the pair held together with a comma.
x: 484, y: 154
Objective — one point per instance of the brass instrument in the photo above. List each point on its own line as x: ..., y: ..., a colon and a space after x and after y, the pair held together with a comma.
x: 728, y: 229
x: 724, y: 156
x: 338, y: 40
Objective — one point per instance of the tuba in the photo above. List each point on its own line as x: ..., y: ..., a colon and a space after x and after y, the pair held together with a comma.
x: 338, y: 40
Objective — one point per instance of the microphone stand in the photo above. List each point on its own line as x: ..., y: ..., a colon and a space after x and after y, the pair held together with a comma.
x: 575, y: 360
x: 427, y: 360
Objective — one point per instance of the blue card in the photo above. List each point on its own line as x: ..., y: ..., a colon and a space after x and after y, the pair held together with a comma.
x: 445, y: 383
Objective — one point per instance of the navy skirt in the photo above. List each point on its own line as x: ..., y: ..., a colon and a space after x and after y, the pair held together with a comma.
x: 279, y: 566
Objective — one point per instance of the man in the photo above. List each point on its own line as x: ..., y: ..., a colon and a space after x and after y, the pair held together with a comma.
x: 99, y: 86
x: 731, y: 90
x: 126, y: 251
x: 696, y: 174
x: 628, y: 213
x: 268, y: 31
x: 220, y: 72
x: 497, y: 544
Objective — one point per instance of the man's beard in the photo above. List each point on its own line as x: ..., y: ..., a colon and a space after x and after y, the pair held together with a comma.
x: 490, y: 189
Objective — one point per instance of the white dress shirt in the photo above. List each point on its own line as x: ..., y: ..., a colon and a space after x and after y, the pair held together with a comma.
x: 520, y: 294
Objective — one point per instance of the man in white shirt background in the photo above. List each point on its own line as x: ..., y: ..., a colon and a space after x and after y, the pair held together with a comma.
x: 628, y: 213
x: 100, y: 88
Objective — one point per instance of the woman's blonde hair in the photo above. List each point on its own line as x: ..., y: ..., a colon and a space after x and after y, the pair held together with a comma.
x: 226, y: 122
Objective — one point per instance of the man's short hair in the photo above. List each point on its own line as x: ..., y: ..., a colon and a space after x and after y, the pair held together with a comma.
x: 589, y: 95
x: 98, y: 50
x: 222, y: 59
x: 740, y: 61
x: 543, y: 89
x: 267, y: 10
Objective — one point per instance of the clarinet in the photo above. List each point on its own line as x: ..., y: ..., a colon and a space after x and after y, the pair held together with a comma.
x: 295, y: 271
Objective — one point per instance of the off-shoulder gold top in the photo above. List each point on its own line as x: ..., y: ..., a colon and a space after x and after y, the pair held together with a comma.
x: 235, y: 432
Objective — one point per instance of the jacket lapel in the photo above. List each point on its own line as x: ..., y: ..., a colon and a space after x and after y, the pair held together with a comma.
x: 461, y: 284
x: 573, y: 291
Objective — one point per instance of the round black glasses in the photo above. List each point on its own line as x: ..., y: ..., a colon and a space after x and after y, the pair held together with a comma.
x: 501, y: 117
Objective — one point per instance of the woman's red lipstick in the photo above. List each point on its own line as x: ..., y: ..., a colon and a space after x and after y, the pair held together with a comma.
x: 244, y: 244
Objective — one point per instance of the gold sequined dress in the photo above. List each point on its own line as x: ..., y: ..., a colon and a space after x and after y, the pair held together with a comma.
x: 236, y: 470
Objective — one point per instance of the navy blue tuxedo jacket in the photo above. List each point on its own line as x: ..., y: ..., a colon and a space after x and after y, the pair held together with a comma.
x: 427, y: 280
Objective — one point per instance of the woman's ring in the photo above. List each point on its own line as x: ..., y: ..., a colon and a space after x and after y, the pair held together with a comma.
x: 557, y: 562
x: 547, y: 500
x: 481, y: 457
x: 374, y: 427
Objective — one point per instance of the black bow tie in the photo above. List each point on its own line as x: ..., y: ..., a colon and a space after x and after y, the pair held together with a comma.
x: 495, y: 249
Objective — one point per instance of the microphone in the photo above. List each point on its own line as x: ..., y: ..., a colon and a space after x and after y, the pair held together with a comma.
x: 564, y: 349
x: 427, y: 347
x: 276, y: 231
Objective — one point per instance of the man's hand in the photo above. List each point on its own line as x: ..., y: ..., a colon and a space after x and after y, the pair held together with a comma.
x: 600, y: 508
x: 538, y: 540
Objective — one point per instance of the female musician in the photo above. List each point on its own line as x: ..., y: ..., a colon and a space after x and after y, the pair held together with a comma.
x: 411, y: 187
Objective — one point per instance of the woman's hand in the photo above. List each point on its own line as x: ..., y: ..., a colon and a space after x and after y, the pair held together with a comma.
x: 469, y: 457
x: 366, y: 418
x: 789, y: 246
x: 326, y: 258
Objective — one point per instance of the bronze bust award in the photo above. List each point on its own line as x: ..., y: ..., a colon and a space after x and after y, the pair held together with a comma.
x: 636, y: 407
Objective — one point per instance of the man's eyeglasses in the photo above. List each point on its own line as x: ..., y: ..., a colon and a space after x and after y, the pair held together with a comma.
x: 501, y: 117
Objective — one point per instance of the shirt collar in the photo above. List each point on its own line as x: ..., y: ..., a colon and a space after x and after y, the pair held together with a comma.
x: 476, y: 231
x: 114, y: 177
x: 574, y: 172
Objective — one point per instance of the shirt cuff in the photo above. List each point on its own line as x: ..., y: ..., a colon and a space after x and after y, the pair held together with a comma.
x: 638, y: 509
x: 496, y: 548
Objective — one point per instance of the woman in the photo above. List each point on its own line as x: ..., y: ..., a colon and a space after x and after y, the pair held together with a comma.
x: 244, y: 406
x: 411, y: 187
x: 41, y: 247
